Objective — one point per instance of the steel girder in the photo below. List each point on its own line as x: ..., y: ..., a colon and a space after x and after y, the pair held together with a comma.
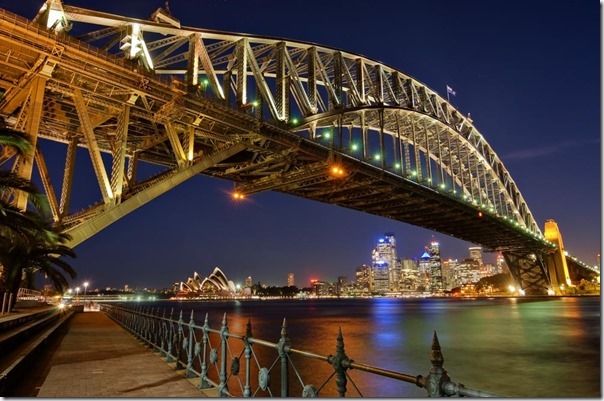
x: 323, y: 82
x: 245, y: 88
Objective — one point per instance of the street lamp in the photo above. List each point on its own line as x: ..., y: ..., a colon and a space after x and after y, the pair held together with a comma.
x: 78, y: 294
x: 85, y: 287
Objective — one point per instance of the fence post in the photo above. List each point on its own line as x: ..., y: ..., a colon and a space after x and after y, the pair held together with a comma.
x: 283, y: 348
x: 179, y: 339
x: 189, y: 372
x: 163, y: 333
x: 340, y: 363
x: 170, y: 339
x: 203, y: 383
x: 3, y: 302
x: 437, y: 375
x: 247, y: 391
x: 224, y: 331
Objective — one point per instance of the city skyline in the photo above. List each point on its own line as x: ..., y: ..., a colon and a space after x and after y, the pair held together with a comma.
x: 288, y: 278
x: 512, y: 91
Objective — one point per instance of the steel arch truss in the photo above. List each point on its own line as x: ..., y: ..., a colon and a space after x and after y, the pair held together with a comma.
x: 268, y: 114
x: 292, y: 81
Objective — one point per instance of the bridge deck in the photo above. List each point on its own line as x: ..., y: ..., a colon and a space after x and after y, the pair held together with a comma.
x: 97, y: 358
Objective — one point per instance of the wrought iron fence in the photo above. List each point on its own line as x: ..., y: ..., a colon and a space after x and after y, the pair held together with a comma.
x: 233, y: 365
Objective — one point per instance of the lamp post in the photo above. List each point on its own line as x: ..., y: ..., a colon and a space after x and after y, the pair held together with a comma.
x: 77, y: 294
x: 85, y: 287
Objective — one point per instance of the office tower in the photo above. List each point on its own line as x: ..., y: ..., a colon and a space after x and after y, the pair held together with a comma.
x: 476, y: 254
x: 383, y: 265
x: 436, y: 272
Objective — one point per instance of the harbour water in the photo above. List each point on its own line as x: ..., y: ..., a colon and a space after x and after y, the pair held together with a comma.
x: 519, y: 347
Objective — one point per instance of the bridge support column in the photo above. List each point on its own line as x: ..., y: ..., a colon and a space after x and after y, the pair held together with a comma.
x: 528, y: 270
x: 555, y: 260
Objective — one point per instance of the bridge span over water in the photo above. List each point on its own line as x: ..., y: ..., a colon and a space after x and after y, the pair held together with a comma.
x: 266, y: 113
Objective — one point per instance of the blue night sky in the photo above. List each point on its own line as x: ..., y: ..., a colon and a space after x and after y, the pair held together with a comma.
x: 528, y: 72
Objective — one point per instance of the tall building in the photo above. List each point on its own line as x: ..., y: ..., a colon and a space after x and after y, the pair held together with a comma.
x: 476, y: 254
x: 383, y: 265
x: 341, y: 284
x: 363, y: 277
x: 290, y: 279
x: 500, y: 263
x: 449, y: 268
x: 248, y: 283
x: 424, y: 272
x: 409, y: 276
x: 436, y: 271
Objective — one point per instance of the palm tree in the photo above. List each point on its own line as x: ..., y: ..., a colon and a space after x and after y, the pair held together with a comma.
x: 39, y: 252
x: 29, y: 241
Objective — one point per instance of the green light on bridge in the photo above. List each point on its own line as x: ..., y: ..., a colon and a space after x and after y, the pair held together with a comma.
x: 354, y: 147
x: 205, y: 82
x: 397, y: 165
x: 326, y: 134
x: 295, y: 121
x: 377, y: 157
x: 255, y: 103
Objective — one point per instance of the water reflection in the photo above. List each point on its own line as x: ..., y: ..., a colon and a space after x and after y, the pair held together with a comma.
x: 514, y: 347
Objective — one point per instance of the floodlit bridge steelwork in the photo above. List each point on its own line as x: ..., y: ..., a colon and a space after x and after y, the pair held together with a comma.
x: 265, y: 113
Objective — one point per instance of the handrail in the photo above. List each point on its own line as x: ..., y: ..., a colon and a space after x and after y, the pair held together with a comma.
x: 193, y: 347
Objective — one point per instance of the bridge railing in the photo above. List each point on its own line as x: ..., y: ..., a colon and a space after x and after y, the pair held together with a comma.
x: 241, y: 365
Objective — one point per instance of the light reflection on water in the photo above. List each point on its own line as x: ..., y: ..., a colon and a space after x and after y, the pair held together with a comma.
x: 512, y: 347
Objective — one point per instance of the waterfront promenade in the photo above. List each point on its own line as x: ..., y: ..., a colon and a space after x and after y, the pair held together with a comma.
x: 98, y: 358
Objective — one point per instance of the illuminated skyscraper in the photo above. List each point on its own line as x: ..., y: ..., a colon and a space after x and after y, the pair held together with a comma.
x: 501, y: 267
x: 424, y: 272
x: 363, y: 277
x: 290, y: 279
x: 436, y: 271
x: 409, y: 276
x: 383, y: 265
x: 448, y: 267
x: 476, y: 254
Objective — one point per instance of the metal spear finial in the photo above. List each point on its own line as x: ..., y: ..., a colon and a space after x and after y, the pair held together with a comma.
x: 340, y: 341
x: 436, y: 356
x: 248, y: 328
x: 284, y: 328
x: 224, y: 320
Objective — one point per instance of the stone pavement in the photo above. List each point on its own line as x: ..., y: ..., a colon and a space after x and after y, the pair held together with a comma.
x: 98, y: 358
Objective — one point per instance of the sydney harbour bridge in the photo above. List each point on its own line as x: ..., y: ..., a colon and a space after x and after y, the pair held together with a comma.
x: 268, y: 114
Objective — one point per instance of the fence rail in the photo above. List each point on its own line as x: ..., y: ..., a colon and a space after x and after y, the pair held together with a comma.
x: 215, y: 357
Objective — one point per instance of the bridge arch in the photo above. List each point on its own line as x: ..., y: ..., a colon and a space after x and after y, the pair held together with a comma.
x: 202, y: 101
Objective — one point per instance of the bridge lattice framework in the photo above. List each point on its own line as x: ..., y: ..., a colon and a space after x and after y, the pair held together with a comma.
x: 268, y: 114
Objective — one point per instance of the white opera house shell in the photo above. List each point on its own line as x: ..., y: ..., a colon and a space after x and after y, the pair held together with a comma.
x: 216, y: 284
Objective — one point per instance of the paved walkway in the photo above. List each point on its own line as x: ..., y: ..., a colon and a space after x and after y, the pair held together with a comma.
x: 98, y: 358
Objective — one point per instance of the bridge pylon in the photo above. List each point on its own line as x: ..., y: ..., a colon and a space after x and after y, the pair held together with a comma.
x: 555, y: 260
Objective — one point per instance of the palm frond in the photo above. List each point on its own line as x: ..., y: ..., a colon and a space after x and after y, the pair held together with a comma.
x: 14, y: 139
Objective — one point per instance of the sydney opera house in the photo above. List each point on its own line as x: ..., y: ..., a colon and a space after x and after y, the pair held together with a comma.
x: 214, y: 285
